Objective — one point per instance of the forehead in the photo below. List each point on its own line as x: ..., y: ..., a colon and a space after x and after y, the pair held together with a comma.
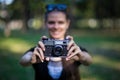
x: 56, y: 16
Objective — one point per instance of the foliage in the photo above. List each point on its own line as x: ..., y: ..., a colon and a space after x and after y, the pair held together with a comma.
x: 85, y: 14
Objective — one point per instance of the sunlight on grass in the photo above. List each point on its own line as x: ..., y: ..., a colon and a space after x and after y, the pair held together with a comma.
x: 15, y: 45
x: 106, y: 62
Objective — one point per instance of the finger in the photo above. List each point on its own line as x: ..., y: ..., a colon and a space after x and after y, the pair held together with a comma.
x: 71, y: 43
x: 72, y: 49
x: 37, y: 53
x: 76, y: 51
x: 72, y: 54
x: 41, y: 53
x: 41, y: 45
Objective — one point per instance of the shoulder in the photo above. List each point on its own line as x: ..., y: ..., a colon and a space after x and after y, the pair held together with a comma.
x: 30, y: 50
x: 83, y: 49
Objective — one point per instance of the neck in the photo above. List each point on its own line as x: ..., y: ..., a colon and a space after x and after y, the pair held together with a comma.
x: 62, y: 38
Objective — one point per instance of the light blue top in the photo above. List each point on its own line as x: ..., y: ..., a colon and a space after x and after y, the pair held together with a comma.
x: 55, y: 69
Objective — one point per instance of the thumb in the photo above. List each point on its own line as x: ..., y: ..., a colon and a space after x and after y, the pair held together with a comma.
x: 69, y: 37
x: 44, y: 37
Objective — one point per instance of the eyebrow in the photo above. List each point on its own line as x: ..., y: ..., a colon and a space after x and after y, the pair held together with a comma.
x: 52, y: 22
x: 60, y: 22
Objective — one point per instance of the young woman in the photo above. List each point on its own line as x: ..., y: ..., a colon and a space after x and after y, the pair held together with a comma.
x: 56, y: 68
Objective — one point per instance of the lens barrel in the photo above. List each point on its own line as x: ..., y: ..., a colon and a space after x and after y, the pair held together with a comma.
x: 58, y: 50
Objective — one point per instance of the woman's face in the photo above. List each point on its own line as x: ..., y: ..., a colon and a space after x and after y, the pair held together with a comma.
x: 57, y: 24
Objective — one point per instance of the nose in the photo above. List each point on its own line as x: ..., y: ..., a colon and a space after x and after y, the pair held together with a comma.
x: 56, y: 25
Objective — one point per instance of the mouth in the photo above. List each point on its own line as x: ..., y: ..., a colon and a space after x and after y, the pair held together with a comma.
x: 55, y: 32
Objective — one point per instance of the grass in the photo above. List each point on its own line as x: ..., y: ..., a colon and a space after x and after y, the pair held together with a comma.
x: 104, y: 46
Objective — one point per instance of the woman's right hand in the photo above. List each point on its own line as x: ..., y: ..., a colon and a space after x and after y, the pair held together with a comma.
x: 38, y: 53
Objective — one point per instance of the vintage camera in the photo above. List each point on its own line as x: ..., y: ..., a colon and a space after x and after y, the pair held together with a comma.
x: 55, y: 48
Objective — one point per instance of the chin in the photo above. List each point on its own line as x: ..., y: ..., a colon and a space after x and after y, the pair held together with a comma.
x: 56, y: 37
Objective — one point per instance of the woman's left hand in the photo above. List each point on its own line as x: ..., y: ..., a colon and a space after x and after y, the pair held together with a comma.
x: 75, y: 53
x: 73, y: 49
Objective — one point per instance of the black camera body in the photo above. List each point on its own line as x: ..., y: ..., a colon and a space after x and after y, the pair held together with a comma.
x: 55, y: 48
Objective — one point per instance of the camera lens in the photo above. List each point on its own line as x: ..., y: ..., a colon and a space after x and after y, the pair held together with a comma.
x: 58, y: 50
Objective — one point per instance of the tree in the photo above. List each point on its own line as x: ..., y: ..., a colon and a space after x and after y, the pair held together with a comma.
x: 108, y: 9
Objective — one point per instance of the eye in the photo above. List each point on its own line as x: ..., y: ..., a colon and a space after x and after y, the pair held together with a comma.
x: 51, y: 22
x: 61, y: 22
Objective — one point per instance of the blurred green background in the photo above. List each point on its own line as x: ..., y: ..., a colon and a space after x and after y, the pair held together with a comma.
x: 95, y: 26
